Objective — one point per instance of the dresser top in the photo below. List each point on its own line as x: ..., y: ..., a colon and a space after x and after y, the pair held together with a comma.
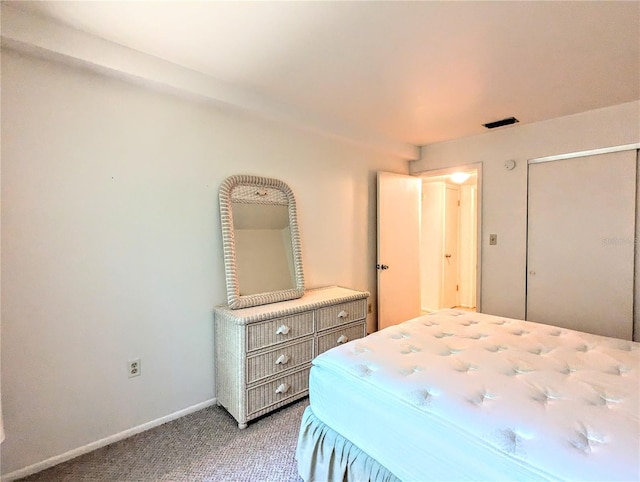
x: 311, y: 299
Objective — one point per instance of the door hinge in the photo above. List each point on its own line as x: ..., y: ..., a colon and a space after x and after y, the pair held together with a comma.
x: 457, y: 289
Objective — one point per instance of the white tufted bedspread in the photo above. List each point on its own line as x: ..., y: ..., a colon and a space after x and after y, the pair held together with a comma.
x: 560, y: 402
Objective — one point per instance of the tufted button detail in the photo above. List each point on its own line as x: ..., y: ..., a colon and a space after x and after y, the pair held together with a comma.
x: 586, y: 439
x: 423, y: 397
x: 464, y: 367
x: 510, y: 441
x: 469, y: 322
x: 400, y: 335
x: 542, y: 350
x: 500, y: 322
x: 618, y: 370
x: 584, y: 348
x: 410, y: 370
x: 546, y: 395
x: 406, y: 349
x: 448, y: 351
x: 364, y: 370
x: 520, y: 332
x: 360, y: 348
x: 568, y: 370
x: 496, y: 348
x: 521, y: 370
x: 481, y: 397
x: 623, y: 346
x: 475, y: 336
x: 604, y: 400
x: 442, y: 335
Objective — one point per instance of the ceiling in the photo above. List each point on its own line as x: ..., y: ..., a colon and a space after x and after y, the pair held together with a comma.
x: 416, y: 72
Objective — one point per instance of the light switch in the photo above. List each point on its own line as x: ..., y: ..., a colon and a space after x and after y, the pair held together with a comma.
x: 493, y: 239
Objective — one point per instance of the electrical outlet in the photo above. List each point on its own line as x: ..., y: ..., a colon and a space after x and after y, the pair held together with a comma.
x: 134, y: 367
x: 369, y: 308
x: 493, y: 239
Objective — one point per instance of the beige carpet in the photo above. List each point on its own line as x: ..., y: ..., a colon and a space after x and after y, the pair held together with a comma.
x: 203, y: 446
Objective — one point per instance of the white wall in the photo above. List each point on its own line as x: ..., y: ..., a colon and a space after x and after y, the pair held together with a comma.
x: 505, y: 192
x: 111, y: 245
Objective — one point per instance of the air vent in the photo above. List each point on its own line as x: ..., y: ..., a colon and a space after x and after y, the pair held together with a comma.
x: 504, y: 122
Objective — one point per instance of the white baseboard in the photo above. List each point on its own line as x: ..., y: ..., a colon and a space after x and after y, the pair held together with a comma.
x: 58, y: 459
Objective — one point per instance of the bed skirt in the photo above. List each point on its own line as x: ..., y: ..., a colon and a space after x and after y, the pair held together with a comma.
x: 324, y: 455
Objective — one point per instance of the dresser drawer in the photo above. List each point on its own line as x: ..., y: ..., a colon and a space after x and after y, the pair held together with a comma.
x: 288, y: 386
x: 279, y: 330
x: 333, y: 338
x: 341, y: 314
x: 278, y: 360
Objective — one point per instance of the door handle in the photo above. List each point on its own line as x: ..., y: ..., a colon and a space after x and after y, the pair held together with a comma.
x: 447, y: 255
x: 382, y: 266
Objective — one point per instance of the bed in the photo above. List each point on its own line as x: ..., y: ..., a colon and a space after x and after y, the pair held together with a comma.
x: 458, y: 396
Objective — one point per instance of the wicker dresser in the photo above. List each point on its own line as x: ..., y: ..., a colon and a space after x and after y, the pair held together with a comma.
x: 263, y: 354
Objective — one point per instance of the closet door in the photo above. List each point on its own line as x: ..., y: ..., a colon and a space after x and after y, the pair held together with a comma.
x: 580, y: 253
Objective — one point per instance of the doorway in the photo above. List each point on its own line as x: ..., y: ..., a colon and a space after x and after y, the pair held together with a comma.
x: 449, y: 274
x: 406, y: 267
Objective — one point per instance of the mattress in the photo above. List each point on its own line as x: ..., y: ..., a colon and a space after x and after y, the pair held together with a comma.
x: 468, y: 396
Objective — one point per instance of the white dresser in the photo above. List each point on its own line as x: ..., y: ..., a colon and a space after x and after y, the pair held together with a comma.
x: 263, y: 354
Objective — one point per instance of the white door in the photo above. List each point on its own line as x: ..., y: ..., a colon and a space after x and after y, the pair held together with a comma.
x: 580, y: 254
x: 398, y: 248
x: 450, y: 261
x: 467, y: 253
x: 431, y: 245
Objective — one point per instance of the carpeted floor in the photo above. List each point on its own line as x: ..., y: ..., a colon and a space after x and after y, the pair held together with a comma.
x: 203, y: 446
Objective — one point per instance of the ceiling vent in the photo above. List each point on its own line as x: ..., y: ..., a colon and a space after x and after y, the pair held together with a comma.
x: 503, y: 122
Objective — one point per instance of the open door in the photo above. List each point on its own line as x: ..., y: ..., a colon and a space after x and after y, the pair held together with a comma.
x: 399, y: 200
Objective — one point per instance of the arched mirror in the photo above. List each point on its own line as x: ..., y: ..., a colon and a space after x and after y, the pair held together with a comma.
x: 260, y: 241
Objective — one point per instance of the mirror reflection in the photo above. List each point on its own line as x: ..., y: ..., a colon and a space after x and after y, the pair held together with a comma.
x: 264, y: 258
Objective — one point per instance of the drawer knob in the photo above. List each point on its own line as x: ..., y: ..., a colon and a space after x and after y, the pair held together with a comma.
x: 343, y: 314
x: 283, y: 388
x: 282, y: 359
x: 282, y: 330
x: 342, y: 339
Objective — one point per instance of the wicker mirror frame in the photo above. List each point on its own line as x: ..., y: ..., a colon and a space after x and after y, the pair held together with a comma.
x: 234, y: 299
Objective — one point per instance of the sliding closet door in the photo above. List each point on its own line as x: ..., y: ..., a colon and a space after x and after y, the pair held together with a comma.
x: 580, y: 254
